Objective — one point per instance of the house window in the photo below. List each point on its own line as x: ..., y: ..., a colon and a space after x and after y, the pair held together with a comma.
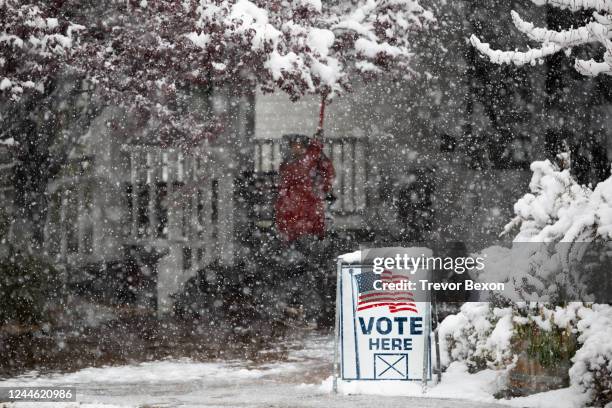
x: 157, y: 188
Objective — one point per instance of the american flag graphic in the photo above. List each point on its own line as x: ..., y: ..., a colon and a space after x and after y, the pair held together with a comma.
x: 396, y: 301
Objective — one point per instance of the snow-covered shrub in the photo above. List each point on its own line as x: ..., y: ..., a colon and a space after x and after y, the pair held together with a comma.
x: 486, y: 336
x: 547, y: 335
x: 480, y: 335
x: 557, y: 222
x: 558, y: 209
x: 592, y: 369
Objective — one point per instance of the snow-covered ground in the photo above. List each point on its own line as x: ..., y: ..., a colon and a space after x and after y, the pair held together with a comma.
x: 457, y: 384
x: 300, y: 380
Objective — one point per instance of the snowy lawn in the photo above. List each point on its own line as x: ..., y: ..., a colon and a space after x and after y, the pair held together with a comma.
x: 300, y: 380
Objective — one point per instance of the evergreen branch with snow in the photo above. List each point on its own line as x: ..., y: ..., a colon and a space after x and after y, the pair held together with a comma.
x: 576, y: 5
x: 598, y: 30
x: 558, y: 209
x: 558, y: 222
x: 514, y: 57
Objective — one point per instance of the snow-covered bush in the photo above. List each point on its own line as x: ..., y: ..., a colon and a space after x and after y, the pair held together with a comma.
x: 485, y: 336
x: 597, y: 30
x: 557, y: 223
x: 592, y: 369
x: 479, y: 335
x: 547, y: 335
x: 558, y: 209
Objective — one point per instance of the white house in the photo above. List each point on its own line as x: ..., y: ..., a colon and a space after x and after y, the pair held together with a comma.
x: 123, y: 190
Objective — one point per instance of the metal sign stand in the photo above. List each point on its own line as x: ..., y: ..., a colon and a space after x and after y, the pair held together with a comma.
x: 427, y: 350
x: 336, y: 366
x: 434, y: 305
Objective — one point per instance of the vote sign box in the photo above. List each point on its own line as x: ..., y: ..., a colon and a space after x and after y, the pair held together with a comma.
x: 382, y: 334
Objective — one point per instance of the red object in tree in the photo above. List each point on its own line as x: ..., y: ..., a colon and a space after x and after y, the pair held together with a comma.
x: 300, y: 207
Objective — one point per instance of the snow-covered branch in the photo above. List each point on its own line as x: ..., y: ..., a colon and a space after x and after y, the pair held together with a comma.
x: 304, y: 46
x: 514, y: 57
x: 564, y: 38
x: 593, y: 68
x: 599, y: 30
x: 142, y: 55
x: 558, y: 209
x: 32, y: 44
x: 576, y: 5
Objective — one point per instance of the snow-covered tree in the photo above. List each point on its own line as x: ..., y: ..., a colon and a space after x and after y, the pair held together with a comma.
x: 597, y: 30
x: 130, y: 54
x: 305, y: 46
x: 33, y: 45
x: 143, y: 54
x: 137, y: 55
